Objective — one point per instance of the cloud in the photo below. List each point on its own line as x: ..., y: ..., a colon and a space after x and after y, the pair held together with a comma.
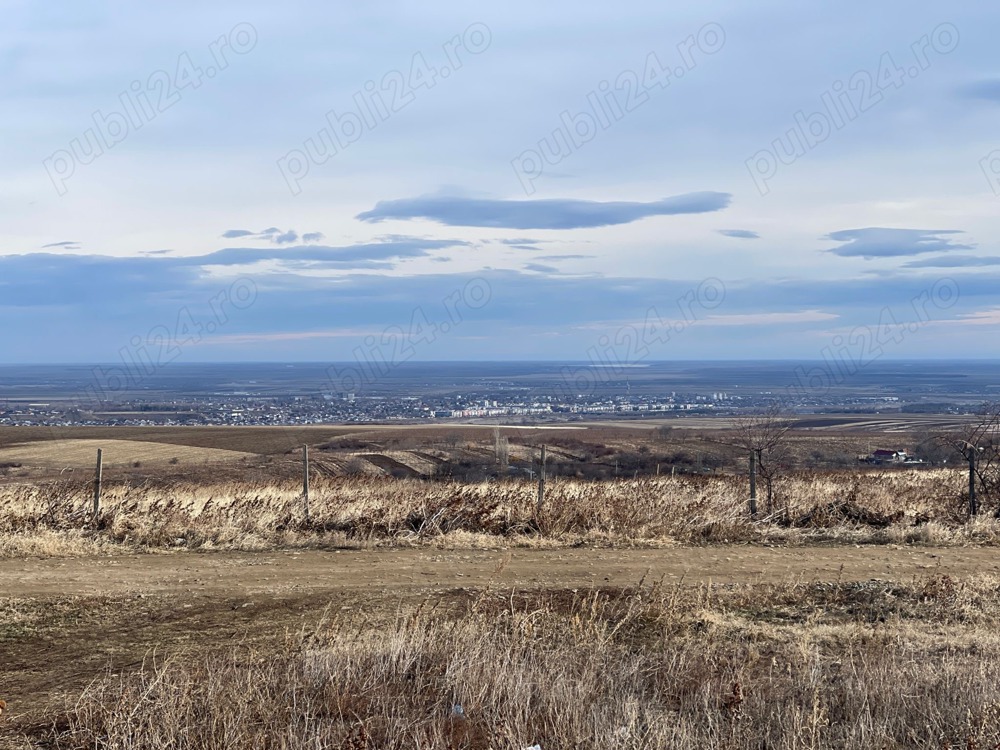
x: 551, y: 258
x: 67, y: 244
x: 986, y: 90
x: 72, y: 282
x: 353, y: 264
x: 742, y: 234
x: 879, y: 242
x: 273, y: 235
x: 351, y: 256
x: 539, y: 214
x: 270, y: 338
x: 521, y: 243
x: 525, y: 305
x: 540, y: 268
x: 953, y: 261
x: 770, y: 318
x: 91, y: 285
x: 515, y: 241
x: 979, y: 318
x: 123, y: 283
x: 116, y: 298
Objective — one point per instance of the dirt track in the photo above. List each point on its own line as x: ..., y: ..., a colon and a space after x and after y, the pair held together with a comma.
x: 109, y: 614
x: 291, y: 573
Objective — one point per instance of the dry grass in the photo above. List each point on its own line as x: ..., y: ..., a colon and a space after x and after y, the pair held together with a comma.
x: 849, y: 507
x: 82, y: 453
x: 861, y: 665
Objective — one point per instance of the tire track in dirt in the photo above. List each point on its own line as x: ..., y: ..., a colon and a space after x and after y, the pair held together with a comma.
x: 294, y: 572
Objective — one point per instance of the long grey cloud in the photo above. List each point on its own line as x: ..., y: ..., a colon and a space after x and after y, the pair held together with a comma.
x: 539, y: 214
x: 49, y: 279
x: 954, y: 261
x: 344, y: 256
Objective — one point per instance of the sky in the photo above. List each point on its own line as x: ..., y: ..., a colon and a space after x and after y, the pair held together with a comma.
x: 302, y: 181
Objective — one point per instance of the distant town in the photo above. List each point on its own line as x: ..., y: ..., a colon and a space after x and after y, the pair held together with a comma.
x: 312, y: 393
x: 247, y: 410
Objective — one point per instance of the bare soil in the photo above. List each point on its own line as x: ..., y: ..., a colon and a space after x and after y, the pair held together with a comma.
x: 282, y: 573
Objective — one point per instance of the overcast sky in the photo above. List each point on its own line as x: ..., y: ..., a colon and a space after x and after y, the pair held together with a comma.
x: 314, y: 181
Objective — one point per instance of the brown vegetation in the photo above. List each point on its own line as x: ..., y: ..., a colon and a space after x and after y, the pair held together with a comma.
x: 859, y: 665
x: 818, y: 664
x: 854, y: 507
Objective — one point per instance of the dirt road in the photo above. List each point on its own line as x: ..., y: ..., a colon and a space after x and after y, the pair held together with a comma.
x: 292, y: 573
x: 65, y: 622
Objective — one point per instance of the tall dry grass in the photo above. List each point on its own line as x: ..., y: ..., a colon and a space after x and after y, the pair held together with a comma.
x: 873, y: 507
x: 861, y: 665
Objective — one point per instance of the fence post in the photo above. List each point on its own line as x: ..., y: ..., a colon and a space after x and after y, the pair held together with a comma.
x: 753, y: 483
x: 973, y: 504
x: 305, y: 479
x: 97, y: 482
x: 541, y: 487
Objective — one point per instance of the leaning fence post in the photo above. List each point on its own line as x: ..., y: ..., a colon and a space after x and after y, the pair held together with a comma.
x: 305, y: 479
x: 97, y: 482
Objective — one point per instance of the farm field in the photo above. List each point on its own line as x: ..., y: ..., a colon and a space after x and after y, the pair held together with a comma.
x: 466, y: 451
x: 59, y: 454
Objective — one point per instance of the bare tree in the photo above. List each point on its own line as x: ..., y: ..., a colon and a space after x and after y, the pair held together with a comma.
x: 979, y: 444
x: 762, y: 436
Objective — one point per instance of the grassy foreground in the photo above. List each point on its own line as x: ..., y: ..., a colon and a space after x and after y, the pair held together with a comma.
x: 847, y: 506
x: 858, y: 665
x: 874, y: 664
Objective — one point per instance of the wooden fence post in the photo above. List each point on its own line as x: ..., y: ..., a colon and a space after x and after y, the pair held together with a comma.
x: 973, y: 504
x: 541, y: 487
x: 97, y: 482
x: 753, y: 483
x: 305, y: 479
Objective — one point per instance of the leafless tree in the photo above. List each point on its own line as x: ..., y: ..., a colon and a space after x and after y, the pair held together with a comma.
x: 979, y: 444
x: 762, y: 436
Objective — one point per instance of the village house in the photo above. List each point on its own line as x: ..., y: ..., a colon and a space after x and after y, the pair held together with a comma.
x: 882, y: 456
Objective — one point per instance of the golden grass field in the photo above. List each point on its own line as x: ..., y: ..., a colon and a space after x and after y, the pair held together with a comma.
x: 79, y: 454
